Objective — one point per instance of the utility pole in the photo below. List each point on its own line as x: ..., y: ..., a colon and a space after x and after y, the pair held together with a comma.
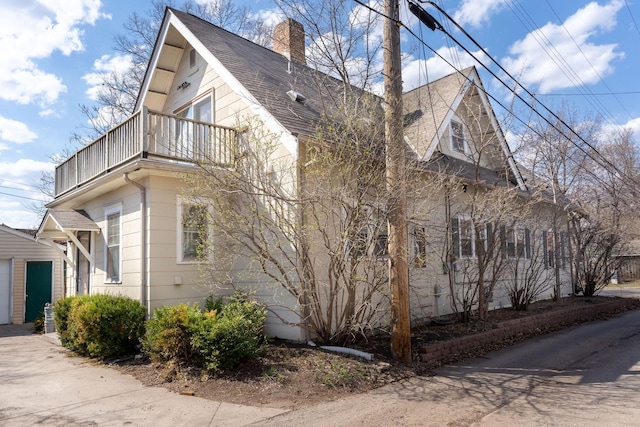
x: 396, y: 186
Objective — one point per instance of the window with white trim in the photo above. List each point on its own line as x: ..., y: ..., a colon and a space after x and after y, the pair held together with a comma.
x: 368, y: 234
x: 517, y: 242
x: 457, y: 137
x: 113, y: 244
x: 193, y: 231
x: 465, y: 244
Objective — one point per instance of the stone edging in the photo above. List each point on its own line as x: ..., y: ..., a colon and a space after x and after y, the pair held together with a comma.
x: 458, y: 348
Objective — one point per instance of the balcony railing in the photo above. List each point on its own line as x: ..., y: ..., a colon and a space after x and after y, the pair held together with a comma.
x: 148, y: 134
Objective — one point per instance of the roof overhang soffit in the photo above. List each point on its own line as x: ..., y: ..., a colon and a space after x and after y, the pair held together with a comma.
x: 153, y: 62
x: 285, y: 136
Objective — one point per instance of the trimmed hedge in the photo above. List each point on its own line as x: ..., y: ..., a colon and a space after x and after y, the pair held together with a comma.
x: 100, y: 325
x: 213, y: 340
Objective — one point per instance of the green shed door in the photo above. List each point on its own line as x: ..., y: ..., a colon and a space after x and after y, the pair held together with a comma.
x: 39, y: 285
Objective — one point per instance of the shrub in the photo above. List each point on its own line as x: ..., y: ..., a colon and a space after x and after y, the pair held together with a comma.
x: 213, y: 303
x: 38, y: 323
x: 168, y: 333
x: 101, y: 325
x: 61, y: 311
x: 236, y: 334
x: 215, y: 340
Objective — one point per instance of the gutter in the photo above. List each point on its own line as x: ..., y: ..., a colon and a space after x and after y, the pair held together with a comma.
x: 144, y: 290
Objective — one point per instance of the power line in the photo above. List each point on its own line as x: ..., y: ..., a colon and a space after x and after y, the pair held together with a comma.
x: 601, y: 160
x: 548, y: 110
x: 590, y: 64
x: 21, y: 197
x: 592, y: 94
x: 626, y: 3
x: 20, y: 189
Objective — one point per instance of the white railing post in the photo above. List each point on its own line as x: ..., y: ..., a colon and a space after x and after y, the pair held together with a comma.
x: 144, y: 116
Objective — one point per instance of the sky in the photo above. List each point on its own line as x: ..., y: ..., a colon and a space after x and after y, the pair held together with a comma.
x: 52, y: 52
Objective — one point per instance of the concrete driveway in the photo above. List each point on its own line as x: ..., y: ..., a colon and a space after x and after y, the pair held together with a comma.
x: 42, y: 384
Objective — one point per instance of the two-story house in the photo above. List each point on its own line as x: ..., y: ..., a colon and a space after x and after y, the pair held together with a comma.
x: 122, y: 204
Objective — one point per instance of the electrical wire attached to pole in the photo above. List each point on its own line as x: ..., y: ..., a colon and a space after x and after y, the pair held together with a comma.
x: 428, y: 20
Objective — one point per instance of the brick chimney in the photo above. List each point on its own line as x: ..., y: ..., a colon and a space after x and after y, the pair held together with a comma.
x: 288, y: 40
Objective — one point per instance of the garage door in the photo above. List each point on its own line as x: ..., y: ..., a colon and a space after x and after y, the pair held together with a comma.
x: 5, y: 291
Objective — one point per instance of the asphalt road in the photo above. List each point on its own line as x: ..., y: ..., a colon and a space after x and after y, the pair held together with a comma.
x: 584, y: 376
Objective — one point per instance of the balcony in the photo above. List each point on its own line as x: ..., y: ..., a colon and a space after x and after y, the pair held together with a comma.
x: 148, y: 135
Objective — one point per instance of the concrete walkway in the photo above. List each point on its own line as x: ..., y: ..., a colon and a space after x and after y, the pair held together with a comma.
x: 43, y: 384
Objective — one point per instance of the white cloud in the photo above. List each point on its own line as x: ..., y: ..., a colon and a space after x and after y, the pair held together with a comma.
x: 35, y: 29
x: 271, y: 17
x: 477, y: 12
x: 102, y: 68
x: 415, y: 72
x: 18, y: 180
x: 15, y: 131
x: 14, y: 213
x: 25, y: 168
x: 633, y: 125
x: 559, y: 56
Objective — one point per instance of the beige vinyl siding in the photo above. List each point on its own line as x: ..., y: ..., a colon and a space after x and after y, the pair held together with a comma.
x: 20, y: 250
x: 127, y: 198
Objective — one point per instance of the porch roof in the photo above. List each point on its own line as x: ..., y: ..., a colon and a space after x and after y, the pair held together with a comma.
x: 58, y: 222
x: 61, y: 224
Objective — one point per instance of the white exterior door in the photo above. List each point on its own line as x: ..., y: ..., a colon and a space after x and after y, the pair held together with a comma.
x: 5, y: 291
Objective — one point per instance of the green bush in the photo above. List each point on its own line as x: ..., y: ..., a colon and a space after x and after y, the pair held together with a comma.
x: 38, y: 323
x: 61, y: 311
x: 226, y: 339
x: 168, y: 333
x: 215, y: 340
x: 100, y: 325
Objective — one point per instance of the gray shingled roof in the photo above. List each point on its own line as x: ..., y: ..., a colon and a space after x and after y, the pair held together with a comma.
x: 73, y: 219
x: 265, y: 74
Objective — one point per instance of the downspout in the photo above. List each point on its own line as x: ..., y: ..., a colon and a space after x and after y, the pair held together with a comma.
x: 300, y: 172
x: 144, y: 291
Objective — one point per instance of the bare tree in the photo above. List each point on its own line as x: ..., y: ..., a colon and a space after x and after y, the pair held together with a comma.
x: 606, y: 222
x: 595, y: 171
x: 315, y: 226
x: 344, y: 41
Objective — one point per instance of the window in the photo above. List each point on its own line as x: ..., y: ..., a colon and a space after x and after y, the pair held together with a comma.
x: 516, y: 242
x: 193, y: 231
x: 465, y: 243
x: 549, y: 252
x: 457, y: 137
x: 369, y: 234
x: 420, y: 246
x: 466, y: 237
x: 193, y: 138
x: 113, y: 244
x: 200, y: 111
x: 510, y: 242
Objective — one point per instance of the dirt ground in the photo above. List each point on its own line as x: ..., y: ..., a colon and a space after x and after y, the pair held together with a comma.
x: 288, y: 376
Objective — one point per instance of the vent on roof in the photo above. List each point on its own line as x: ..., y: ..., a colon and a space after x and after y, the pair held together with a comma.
x: 297, y: 97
